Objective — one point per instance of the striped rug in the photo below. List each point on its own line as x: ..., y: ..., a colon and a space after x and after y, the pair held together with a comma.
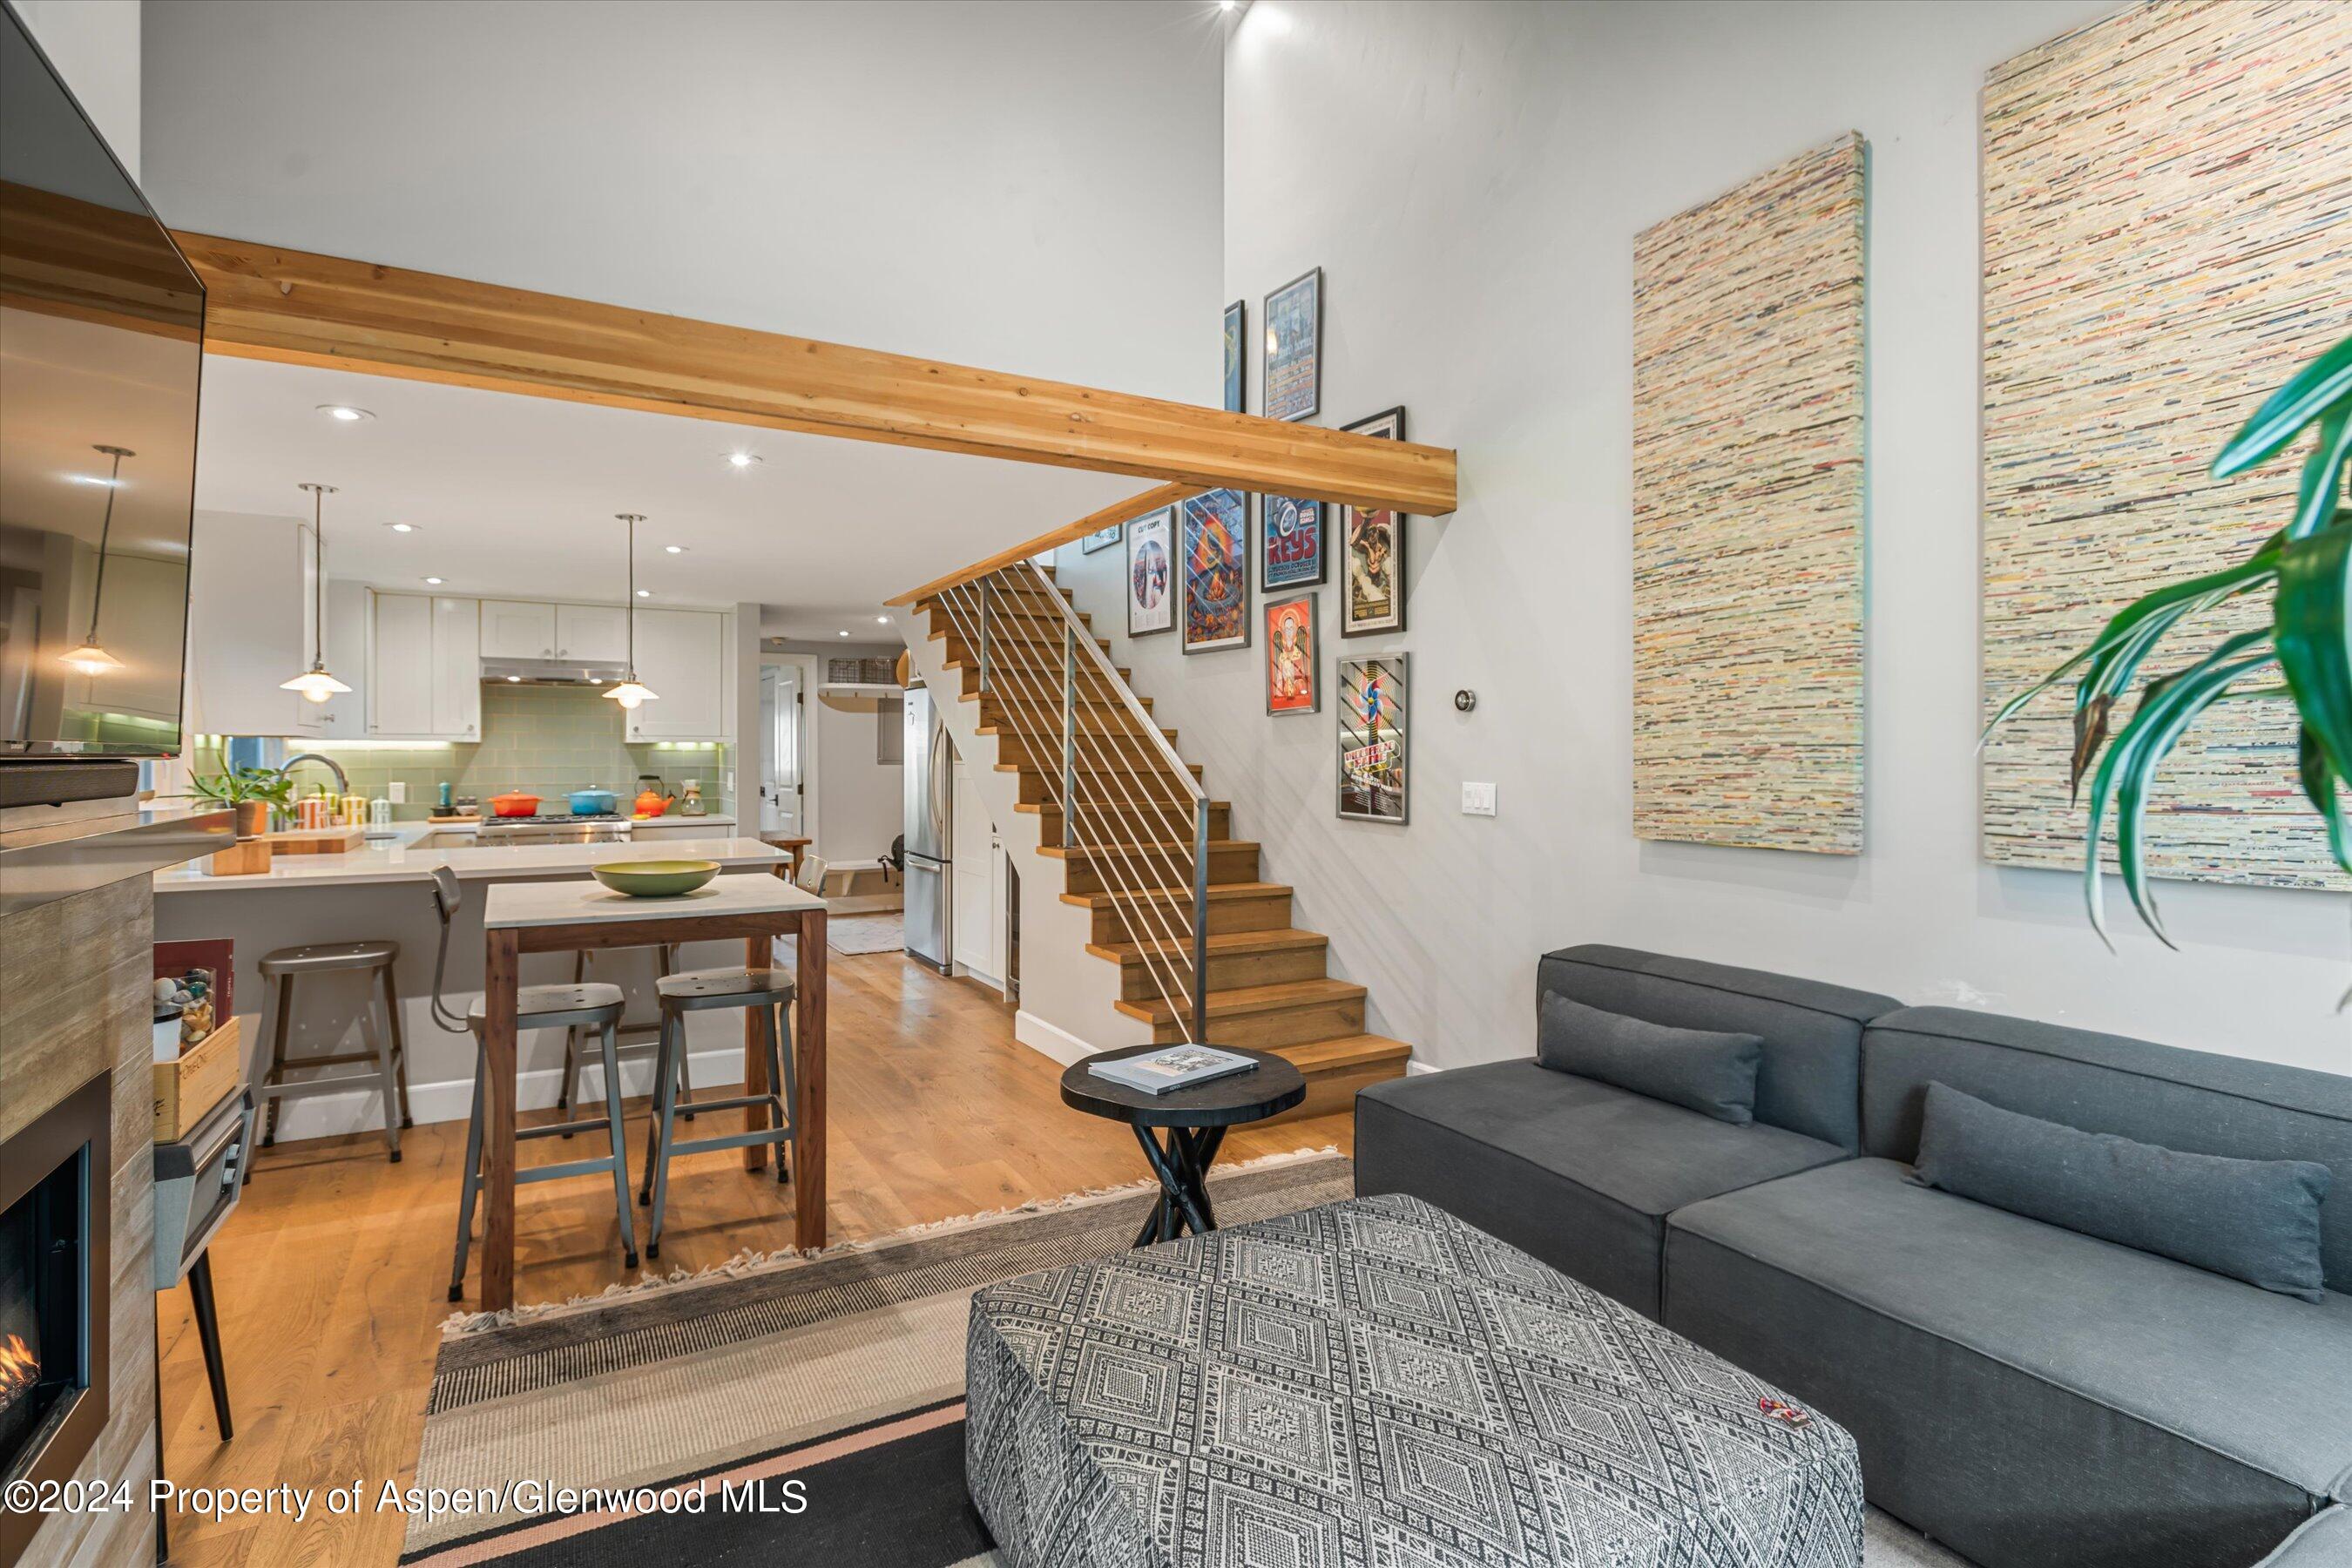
x: 808, y: 1410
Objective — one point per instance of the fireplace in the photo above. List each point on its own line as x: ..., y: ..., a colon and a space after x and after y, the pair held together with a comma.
x: 54, y: 1202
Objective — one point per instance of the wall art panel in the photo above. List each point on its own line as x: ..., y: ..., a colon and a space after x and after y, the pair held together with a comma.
x: 2167, y: 235
x: 1749, y: 510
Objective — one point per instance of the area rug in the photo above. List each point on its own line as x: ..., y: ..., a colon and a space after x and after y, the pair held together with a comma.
x: 885, y: 933
x: 780, y: 1411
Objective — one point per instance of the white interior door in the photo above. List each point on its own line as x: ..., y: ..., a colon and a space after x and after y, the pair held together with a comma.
x: 781, y: 782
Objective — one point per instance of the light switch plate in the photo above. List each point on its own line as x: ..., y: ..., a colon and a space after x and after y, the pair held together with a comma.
x: 1477, y: 800
x: 399, y: 792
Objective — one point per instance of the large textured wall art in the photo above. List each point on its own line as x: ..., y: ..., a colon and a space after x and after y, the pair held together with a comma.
x: 1747, y: 513
x: 2167, y: 212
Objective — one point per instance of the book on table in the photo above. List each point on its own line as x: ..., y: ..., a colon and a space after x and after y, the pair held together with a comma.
x: 1171, y: 1067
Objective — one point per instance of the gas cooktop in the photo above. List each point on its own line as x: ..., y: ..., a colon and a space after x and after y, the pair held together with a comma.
x: 555, y: 818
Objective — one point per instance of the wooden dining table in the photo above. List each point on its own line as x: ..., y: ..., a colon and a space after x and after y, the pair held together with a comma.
x: 568, y: 916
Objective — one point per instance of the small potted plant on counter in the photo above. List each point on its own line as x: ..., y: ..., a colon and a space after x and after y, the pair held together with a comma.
x: 248, y: 792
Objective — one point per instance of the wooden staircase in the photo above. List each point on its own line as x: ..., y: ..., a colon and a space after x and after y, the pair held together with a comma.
x: 1268, y: 987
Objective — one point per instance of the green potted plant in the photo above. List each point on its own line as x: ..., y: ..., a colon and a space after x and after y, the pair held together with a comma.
x: 2303, y: 656
x: 248, y: 792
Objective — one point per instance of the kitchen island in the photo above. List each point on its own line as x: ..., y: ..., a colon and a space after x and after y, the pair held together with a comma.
x: 383, y: 892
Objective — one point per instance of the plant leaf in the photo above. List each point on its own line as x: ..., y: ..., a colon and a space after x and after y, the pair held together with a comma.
x: 2323, y: 473
x: 2319, y: 785
x: 2309, y: 623
x: 2090, y: 734
x: 2122, y: 756
x: 2166, y: 715
x: 2324, y: 383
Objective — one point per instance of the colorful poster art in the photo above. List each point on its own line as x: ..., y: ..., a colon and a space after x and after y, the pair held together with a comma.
x: 1293, y: 349
x: 1290, y: 535
x: 1293, y: 657
x: 1372, y: 594
x: 1100, y: 539
x: 1373, y: 724
x: 1236, y: 355
x: 1150, y: 565
x: 1216, y: 571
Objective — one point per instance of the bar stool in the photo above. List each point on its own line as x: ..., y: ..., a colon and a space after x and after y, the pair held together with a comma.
x: 386, y: 1046
x: 596, y: 1006
x: 701, y: 990
x: 574, y: 1064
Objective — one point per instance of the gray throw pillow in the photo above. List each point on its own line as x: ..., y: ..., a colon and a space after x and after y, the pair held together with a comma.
x: 1711, y: 1073
x: 2256, y: 1220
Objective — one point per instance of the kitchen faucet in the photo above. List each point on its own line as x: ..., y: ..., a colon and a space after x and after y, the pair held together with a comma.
x: 343, y: 779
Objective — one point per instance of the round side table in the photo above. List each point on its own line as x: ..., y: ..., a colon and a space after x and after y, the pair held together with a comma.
x: 1193, y: 1121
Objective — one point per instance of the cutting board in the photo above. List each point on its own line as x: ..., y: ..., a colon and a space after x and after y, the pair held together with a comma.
x: 316, y: 840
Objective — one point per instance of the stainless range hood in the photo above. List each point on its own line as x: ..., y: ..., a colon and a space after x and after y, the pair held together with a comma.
x: 549, y: 672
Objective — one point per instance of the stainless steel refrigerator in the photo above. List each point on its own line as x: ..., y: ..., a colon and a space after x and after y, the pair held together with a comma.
x: 927, y: 780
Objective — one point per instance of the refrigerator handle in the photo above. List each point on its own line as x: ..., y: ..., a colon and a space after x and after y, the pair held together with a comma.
x: 939, y: 806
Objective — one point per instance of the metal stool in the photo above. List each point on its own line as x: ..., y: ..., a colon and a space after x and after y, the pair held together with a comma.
x: 596, y: 1006
x: 696, y: 990
x: 386, y: 1046
x: 663, y: 957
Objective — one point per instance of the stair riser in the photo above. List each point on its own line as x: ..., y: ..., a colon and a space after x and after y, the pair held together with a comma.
x: 1269, y: 911
x: 1229, y: 972
x: 1029, y: 654
x: 1129, y: 822
x: 1111, y: 751
x: 1045, y: 719
x: 1110, y: 871
x: 1107, y: 783
x: 1334, y: 1092
x: 1319, y: 1020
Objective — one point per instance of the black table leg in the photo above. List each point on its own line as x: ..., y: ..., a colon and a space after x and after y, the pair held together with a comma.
x: 1181, y: 1200
x: 200, y: 1292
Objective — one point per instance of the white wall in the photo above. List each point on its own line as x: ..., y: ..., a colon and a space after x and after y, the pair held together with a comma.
x: 859, y: 804
x: 1471, y: 177
x: 1025, y: 186
x: 94, y: 44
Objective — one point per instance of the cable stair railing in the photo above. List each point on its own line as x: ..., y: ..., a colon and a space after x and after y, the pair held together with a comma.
x: 1015, y: 625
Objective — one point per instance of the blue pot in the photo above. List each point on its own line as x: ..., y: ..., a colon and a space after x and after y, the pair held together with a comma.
x: 593, y: 802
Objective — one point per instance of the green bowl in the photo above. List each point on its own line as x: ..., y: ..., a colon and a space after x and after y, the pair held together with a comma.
x: 655, y: 879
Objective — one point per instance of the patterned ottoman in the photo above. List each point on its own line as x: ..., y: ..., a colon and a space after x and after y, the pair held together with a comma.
x: 1377, y: 1384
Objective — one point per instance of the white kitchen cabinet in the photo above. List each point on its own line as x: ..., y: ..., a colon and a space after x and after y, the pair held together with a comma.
x: 595, y: 634
x: 682, y: 659
x: 517, y: 628
x: 251, y: 583
x: 424, y: 670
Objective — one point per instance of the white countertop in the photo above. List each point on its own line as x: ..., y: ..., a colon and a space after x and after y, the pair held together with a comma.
x: 397, y: 859
x: 574, y: 903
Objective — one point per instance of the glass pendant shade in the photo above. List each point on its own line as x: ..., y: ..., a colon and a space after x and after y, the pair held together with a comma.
x: 629, y: 693
x: 314, y: 683
x: 90, y: 659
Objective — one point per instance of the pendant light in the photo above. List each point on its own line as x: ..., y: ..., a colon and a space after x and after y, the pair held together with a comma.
x: 89, y: 659
x: 629, y: 693
x: 315, y: 684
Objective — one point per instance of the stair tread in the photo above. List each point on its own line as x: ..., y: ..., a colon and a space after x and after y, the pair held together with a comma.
x: 1220, y: 942
x: 1033, y: 806
x: 1088, y: 851
x: 1342, y: 1051
x: 1238, y: 1000
x: 1216, y: 890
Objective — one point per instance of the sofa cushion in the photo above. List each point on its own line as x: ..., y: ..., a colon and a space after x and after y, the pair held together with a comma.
x: 1698, y: 1070
x: 1998, y: 1371
x: 2256, y: 1220
x: 2323, y: 1541
x: 1807, y: 1081
x: 1572, y: 1170
x: 2195, y: 1101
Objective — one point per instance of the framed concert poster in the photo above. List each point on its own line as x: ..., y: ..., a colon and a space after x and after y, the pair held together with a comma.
x: 1100, y: 539
x: 1293, y: 349
x: 1150, y: 558
x: 1374, y: 721
x: 1294, y: 657
x: 1290, y: 543
x: 1372, y: 586
x: 1216, y: 571
x: 1236, y: 355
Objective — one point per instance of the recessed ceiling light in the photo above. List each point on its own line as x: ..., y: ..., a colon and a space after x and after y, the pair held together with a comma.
x: 644, y: 593
x: 881, y: 620
x: 845, y: 634
x: 675, y: 549
x: 403, y: 528
x: 433, y: 582
x: 344, y: 413
x: 742, y: 459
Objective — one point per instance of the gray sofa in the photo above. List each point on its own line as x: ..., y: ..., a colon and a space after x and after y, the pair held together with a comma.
x: 2025, y: 1394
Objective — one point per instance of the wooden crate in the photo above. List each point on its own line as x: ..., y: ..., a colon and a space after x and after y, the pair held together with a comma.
x: 204, y: 1075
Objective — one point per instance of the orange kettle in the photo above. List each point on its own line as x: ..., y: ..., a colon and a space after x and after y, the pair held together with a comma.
x: 653, y: 803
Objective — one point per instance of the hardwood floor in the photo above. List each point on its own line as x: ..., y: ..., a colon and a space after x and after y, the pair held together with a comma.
x: 333, y: 1276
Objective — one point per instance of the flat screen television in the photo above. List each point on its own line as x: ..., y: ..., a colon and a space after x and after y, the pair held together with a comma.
x: 101, y: 346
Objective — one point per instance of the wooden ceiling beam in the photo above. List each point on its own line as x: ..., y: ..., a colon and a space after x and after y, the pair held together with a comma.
x: 270, y: 303
x: 1126, y: 511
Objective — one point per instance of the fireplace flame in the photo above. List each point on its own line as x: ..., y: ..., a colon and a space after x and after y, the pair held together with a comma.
x: 20, y: 1368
